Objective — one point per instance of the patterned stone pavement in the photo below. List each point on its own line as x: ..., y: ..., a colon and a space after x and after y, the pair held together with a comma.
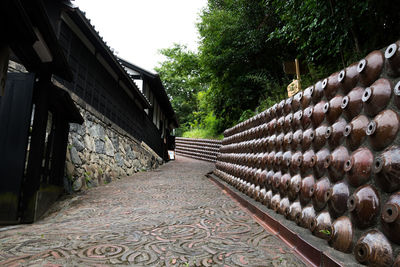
x: 173, y: 216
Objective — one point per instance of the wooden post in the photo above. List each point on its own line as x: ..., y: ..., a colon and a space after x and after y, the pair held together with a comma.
x: 298, y: 74
x: 36, y: 153
x: 4, y: 57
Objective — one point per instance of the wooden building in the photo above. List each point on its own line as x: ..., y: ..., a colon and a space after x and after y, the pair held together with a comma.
x: 67, y: 70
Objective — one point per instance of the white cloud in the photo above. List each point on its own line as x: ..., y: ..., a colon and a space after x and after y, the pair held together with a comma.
x: 138, y: 29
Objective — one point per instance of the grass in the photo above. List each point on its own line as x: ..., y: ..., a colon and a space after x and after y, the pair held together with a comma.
x: 201, y: 133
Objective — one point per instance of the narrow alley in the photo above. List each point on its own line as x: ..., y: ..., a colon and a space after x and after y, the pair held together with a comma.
x: 172, y: 216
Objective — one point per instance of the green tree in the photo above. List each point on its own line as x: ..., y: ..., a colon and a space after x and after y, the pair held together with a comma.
x: 180, y: 73
x: 243, y: 64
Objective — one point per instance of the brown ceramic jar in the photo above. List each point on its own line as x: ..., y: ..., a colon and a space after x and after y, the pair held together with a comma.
x: 284, y: 205
x: 318, y: 92
x: 377, y: 96
x: 355, y: 131
x: 309, y: 161
x: 318, y: 114
x: 279, y: 141
x: 374, y: 249
x: 359, y: 166
x: 322, y: 193
x: 297, y: 160
x: 306, y: 216
x: 396, y: 92
x: 279, y: 124
x: 279, y: 108
x: 271, y: 159
x: 288, y: 105
x: 272, y: 126
x: 340, y: 193
x: 296, y: 103
x: 333, y: 109
x: 294, y: 187
x: 335, y: 163
x: 284, y: 184
x: 288, y: 122
x: 267, y: 199
x: 383, y: 129
x: 390, y: 218
x: 278, y: 160
x: 276, y: 179
x: 321, y: 157
x: 352, y: 103
x: 320, y: 137
x: 275, y: 201
x: 321, y: 225
x: 297, y: 139
x: 364, y: 206
x: 307, y: 189
x: 392, y: 55
x: 348, y: 77
x: 342, y: 234
x: 294, y: 211
x: 335, y: 133
x: 270, y: 179
x: 297, y: 119
x: 306, y: 99
x: 287, y: 141
x: 370, y: 67
x: 308, y: 137
x: 306, y: 118
x: 387, y: 169
x: 332, y: 85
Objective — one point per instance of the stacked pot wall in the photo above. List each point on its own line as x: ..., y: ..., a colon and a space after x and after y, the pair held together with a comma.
x: 202, y: 149
x: 328, y: 158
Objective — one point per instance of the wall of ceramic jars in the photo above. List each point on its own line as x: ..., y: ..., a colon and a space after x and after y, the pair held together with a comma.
x: 328, y: 158
x: 202, y: 149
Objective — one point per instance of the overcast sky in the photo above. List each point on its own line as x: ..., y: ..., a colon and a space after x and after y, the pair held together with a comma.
x: 137, y: 29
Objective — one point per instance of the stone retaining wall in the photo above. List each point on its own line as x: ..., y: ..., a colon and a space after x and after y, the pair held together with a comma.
x: 99, y: 151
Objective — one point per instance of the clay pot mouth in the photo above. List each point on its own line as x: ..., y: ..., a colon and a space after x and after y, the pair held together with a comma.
x: 324, y: 83
x: 313, y: 160
x: 300, y: 114
x: 328, y: 161
x: 328, y: 132
x: 290, y: 138
x: 396, y: 89
x: 299, y: 161
x: 348, y: 165
x: 347, y: 130
x: 367, y: 94
x: 362, y: 252
x: 311, y: 90
x: 390, y: 51
x: 289, y: 100
x: 361, y: 65
x: 390, y: 213
x: 297, y: 188
x: 313, y: 225
x: 341, y: 76
x: 311, y: 191
x: 325, y: 109
x: 371, y: 128
x: 378, y: 164
x: 312, y: 135
x: 300, y: 138
x: 290, y: 118
x: 345, y: 102
x: 328, y: 194
x: 351, y: 203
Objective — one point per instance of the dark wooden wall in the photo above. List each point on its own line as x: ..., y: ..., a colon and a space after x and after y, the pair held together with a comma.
x: 97, y: 87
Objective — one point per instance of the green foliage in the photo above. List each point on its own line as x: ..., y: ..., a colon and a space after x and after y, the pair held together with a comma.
x: 238, y: 70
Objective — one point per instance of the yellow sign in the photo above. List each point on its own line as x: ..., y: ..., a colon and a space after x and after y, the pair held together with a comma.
x: 293, y: 88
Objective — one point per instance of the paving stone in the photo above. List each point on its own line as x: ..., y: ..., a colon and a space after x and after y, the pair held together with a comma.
x: 172, y: 216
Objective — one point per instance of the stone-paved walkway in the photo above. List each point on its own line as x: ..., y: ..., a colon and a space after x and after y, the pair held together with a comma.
x: 173, y: 216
